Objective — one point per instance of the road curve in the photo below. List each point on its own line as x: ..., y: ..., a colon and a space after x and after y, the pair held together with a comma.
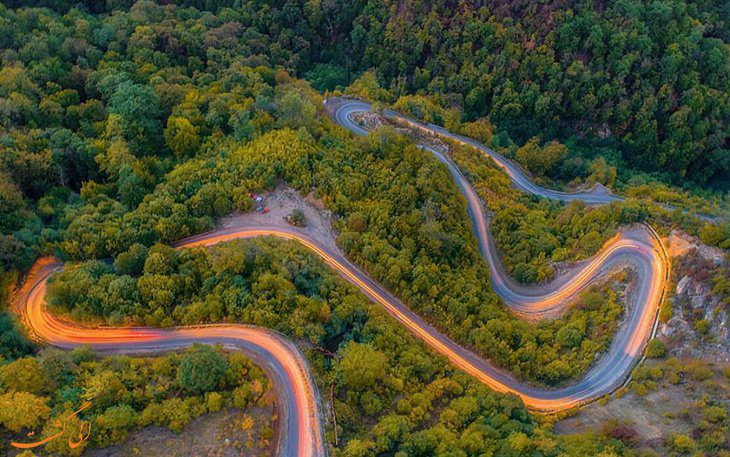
x: 300, y: 428
x: 303, y: 430
x: 345, y: 110
x: 602, y: 379
x: 607, y: 375
x: 638, y: 248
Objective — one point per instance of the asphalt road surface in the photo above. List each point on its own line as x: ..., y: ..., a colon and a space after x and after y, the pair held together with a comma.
x: 300, y: 424
x: 636, y: 247
x: 301, y: 431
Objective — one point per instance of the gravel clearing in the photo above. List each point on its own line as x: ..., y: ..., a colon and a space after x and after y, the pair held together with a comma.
x: 281, y: 202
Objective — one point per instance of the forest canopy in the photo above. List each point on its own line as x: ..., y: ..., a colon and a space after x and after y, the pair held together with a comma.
x: 648, y: 80
x: 130, y: 128
x: 125, y: 126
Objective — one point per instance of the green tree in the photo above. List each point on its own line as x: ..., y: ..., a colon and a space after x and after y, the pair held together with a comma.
x: 19, y: 410
x: 104, y: 388
x: 132, y: 261
x: 182, y: 137
x: 296, y: 110
x: 202, y: 369
x: 656, y: 349
x: 56, y: 366
x: 541, y: 160
x: 114, y: 425
x: 362, y: 366
x: 139, y: 109
x: 366, y: 86
x: 325, y: 76
x: 24, y: 375
x: 12, y: 343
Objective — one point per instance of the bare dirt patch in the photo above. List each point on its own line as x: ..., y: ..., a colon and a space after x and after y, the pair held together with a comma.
x: 647, y: 415
x: 226, y: 433
x: 680, y: 243
x: 281, y: 202
x: 671, y: 407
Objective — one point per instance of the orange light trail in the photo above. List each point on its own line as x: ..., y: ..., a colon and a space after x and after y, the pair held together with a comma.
x: 295, y: 373
x: 650, y: 258
x: 459, y: 356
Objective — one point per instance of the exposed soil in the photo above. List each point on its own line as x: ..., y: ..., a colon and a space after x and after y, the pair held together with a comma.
x: 654, y: 416
x: 226, y: 433
x: 679, y: 244
x: 281, y: 202
x: 647, y: 414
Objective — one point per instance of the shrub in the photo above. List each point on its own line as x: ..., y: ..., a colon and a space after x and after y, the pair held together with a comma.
x: 297, y: 218
x: 202, y: 369
x: 656, y: 349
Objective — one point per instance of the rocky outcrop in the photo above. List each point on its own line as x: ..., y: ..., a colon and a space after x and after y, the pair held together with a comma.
x: 698, y: 326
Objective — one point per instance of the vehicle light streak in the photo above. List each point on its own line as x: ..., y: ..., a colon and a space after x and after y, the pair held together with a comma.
x: 640, y: 249
x: 300, y: 424
x: 302, y: 431
x: 625, y: 348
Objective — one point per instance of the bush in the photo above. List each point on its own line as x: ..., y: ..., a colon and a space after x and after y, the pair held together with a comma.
x: 20, y: 410
x: 297, y: 218
x: 702, y: 326
x: 682, y: 444
x: 213, y: 402
x: 115, y: 424
x: 620, y: 431
x: 202, y: 369
x: 23, y: 375
x: 715, y: 414
x: 698, y: 370
x: 656, y: 349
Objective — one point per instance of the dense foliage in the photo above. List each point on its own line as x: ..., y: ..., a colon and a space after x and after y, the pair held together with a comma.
x: 13, y: 344
x: 124, y: 127
x: 160, y: 142
x: 532, y: 234
x: 646, y: 78
x: 391, y: 394
x: 648, y: 81
x: 125, y: 393
x: 184, y: 287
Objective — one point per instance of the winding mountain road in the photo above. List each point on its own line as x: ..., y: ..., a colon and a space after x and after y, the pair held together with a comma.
x: 347, y: 108
x: 638, y: 248
x: 301, y: 429
x: 300, y: 423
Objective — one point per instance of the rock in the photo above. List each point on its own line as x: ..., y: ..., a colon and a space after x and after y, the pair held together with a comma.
x: 371, y: 121
x: 682, y: 285
x: 699, y: 301
x: 677, y: 327
x: 601, y: 189
x: 694, y: 299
